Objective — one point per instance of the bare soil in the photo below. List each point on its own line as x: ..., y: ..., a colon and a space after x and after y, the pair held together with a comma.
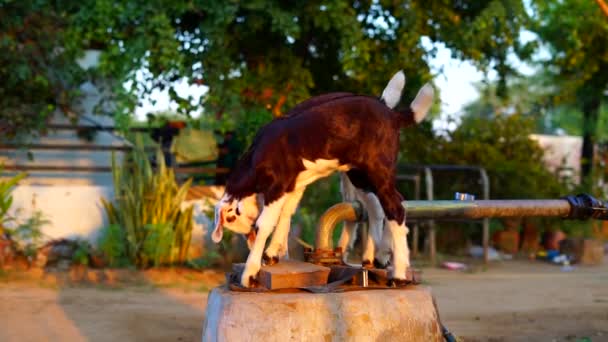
x: 510, y: 301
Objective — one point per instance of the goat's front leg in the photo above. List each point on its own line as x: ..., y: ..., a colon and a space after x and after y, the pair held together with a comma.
x: 278, y: 245
x: 265, y: 224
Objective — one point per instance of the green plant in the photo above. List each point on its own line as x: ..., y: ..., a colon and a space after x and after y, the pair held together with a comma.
x: 112, y: 244
x: 27, y: 237
x: 210, y: 259
x: 82, y: 252
x: 146, y: 216
x: 6, y: 199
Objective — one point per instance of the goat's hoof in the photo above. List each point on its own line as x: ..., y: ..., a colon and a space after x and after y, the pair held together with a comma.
x: 378, y: 264
x: 394, y: 282
x: 253, y: 282
x: 367, y: 264
x: 269, y: 261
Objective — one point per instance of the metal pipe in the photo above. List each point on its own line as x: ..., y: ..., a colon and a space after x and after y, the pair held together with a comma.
x: 346, y: 211
x: 485, y: 208
x: 430, y: 195
x: 443, y: 209
x: 485, y: 237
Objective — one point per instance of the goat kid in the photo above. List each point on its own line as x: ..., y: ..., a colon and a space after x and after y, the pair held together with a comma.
x: 355, y: 134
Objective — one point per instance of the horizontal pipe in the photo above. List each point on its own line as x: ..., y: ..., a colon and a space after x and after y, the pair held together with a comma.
x: 438, y: 210
x: 485, y: 209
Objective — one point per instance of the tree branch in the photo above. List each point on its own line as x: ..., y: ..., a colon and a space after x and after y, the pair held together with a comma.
x: 603, y: 6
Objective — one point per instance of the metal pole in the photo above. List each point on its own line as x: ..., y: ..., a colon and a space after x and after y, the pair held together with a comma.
x: 486, y: 221
x: 428, y: 177
x: 485, y: 208
x: 430, y: 210
x: 416, y: 229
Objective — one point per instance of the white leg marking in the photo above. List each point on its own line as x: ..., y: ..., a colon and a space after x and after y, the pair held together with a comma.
x: 401, y: 253
x: 278, y: 245
x: 266, y: 222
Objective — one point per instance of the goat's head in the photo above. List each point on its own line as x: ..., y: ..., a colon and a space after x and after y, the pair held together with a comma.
x: 237, y: 215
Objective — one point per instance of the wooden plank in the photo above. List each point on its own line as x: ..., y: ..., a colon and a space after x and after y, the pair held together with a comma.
x: 289, y: 274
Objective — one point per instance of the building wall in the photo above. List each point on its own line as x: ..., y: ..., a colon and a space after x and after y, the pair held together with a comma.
x: 562, y: 153
x: 69, y: 200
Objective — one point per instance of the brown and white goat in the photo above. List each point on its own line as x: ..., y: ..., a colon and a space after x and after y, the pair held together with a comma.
x: 355, y: 134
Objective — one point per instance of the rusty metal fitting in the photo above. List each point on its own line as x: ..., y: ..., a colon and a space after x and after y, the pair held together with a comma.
x: 323, y: 257
x: 347, y: 211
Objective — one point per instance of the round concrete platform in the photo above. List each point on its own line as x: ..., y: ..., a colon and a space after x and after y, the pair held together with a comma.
x: 370, y: 315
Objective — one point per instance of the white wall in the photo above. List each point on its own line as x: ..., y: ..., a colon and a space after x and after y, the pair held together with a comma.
x: 69, y: 200
x: 73, y: 210
x: 561, y: 152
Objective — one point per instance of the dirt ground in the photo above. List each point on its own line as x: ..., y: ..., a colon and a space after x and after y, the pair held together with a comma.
x: 510, y: 301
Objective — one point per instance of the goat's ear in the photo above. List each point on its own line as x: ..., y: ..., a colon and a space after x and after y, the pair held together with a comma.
x: 218, y: 231
x: 423, y: 102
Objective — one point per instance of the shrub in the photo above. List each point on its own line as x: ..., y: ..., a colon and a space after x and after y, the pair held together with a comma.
x: 6, y: 198
x: 147, y: 225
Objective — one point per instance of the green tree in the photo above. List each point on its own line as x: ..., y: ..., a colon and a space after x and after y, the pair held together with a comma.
x: 37, y: 64
x: 263, y: 55
x: 268, y: 54
x: 499, y: 143
x: 576, y: 36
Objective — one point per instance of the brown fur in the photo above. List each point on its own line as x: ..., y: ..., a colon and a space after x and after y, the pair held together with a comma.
x: 357, y: 130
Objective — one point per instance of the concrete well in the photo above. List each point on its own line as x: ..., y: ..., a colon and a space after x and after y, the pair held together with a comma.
x: 369, y: 315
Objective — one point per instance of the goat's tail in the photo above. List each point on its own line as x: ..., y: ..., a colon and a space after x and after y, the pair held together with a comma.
x: 420, y: 107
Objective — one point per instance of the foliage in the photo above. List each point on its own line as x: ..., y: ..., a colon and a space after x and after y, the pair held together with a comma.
x: 501, y: 145
x: 113, y: 245
x: 307, y: 47
x: 27, y: 237
x: 6, y: 199
x: 82, y: 252
x: 38, y: 64
x: 146, y: 214
x: 211, y: 259
x: 576, y: 37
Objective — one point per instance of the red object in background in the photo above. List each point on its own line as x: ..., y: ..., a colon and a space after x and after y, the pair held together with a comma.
x: 176, y: 124
x: 507, y: 241
x: 552, y: 239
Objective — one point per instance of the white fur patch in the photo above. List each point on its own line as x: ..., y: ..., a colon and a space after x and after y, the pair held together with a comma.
x: 423, y: 102
x: 401, y: 252
x: 317, y: 169
x: 392, y: 93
